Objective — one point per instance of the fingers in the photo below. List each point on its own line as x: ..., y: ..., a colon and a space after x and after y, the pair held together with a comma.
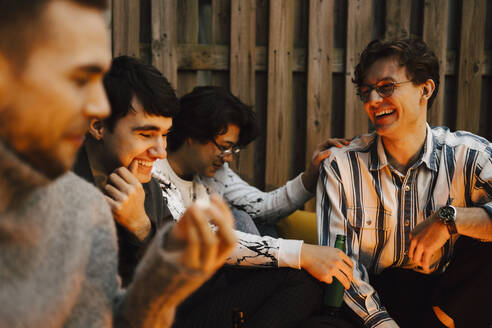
x: 426, y: 257
x: 114, y: 193
x: 185, y: 232
x: 208, y: 241
x: 221, y: 216
x: 419, y: 251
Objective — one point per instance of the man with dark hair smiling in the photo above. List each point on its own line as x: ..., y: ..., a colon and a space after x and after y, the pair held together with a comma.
x: 210, y: 128
x: 412, y: 200
x: 58, y: 254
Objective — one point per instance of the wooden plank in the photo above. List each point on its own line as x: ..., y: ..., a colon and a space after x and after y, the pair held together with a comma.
x: 164, y: 39
x: 470, y: 62
x: 216, y: 58
x: 108, y: 18
x: 279, y: 98
x: 126, y: 28
x: 435, y: 22
x: 187, y: 33
x: 319, y: 76
x: 242, y: 70
x: 398, y: 19
x: 359, y: 23
x: 221, y: 34
x: 221, y: 21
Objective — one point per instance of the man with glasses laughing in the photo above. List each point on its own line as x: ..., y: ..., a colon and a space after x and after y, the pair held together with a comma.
x: 414, y: 202
x: 210, y: 128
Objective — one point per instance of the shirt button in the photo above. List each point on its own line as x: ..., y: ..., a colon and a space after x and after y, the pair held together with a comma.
x: 407, y: 188
x: 368, y: 222
x: 407, y: 223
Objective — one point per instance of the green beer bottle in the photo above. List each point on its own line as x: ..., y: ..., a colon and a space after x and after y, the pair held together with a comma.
x: 334, y: 292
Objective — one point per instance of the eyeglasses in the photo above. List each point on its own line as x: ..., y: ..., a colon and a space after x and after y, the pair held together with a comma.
x: 384, y: 90
x: 234, y: 150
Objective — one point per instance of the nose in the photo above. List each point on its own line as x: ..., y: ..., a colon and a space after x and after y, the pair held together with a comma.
x: 159, y: 149
x: 97, y: 105
x: 374, y: 96
x: 228, y: 158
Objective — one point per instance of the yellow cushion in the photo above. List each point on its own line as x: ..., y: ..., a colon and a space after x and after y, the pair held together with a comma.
x: 299, y: 225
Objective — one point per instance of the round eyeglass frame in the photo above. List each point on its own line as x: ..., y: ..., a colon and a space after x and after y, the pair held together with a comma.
x: 234, y: 150
x: 381, y: 90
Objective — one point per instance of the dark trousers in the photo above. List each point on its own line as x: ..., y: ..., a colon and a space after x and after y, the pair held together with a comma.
x: 267, y: 297
x: 463, y: 291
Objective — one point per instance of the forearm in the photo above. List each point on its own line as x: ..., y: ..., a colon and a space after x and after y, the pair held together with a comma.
x: 474, y: 222
x: 264, y: 251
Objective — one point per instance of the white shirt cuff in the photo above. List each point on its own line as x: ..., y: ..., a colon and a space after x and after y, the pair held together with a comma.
x: 289, y: 253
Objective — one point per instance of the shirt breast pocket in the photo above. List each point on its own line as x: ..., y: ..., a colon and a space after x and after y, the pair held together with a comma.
x: 372, y: 227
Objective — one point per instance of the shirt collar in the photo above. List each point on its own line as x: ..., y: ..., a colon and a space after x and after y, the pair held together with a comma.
x: 378, y: 159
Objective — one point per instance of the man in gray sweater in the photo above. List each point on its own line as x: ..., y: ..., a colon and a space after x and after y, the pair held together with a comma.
x: 58, y: 252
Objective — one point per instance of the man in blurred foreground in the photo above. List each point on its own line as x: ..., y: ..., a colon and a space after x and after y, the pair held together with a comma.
x: 58, y: 253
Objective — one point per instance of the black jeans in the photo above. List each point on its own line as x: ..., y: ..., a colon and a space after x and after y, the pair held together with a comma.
x: 463, y: 291
x: 267, y: 297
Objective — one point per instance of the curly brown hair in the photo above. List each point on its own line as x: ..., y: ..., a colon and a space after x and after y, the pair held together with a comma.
x: 420, y: 62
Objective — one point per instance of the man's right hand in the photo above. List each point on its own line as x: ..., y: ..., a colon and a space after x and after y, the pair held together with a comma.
x: 325, y: 262
x: 195, y: 245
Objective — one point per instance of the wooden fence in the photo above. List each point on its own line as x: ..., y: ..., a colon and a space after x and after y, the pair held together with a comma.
x: 293, y: 60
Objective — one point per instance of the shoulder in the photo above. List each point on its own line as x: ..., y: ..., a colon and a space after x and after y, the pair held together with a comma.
x: 82, y: 197
x: 460, y: 140
x: 360, y: 144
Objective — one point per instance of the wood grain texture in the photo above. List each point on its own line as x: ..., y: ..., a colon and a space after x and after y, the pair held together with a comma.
x: 319, y: 76
x: 242, y: 71
x: 435, y: 22
x: 470, y: 63
x: 398, y: 19
x: 359, y: 24
x: 279, y: 99
x: 164, y: 39
x: 187, y: 19
x: 126, y: 28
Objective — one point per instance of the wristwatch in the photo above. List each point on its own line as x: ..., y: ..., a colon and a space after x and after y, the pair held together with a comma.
x: 447, y: 215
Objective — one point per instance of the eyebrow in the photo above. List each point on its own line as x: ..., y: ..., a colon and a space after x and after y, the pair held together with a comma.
x: 146, y: 128
x: 92, y: 69
x: 386, y: 78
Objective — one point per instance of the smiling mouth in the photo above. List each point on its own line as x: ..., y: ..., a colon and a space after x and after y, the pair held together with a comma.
x: 383, y: 113
x: 145, y: 163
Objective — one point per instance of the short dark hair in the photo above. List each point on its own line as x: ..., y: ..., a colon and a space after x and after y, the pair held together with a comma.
x: 206, y: 112
x: 19, y: 24
x: 420, y: 62
x: 130, y: 77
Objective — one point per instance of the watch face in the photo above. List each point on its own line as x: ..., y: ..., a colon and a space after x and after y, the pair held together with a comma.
x: 447, y: 213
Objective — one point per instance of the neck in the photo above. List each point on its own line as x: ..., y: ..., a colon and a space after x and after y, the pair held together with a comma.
x: 402, y: 153
x: 178, y: 161
x: 17, y: 177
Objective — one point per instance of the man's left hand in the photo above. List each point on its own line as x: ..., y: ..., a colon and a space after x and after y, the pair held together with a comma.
x: 322, y: 151
x: 427, y: 238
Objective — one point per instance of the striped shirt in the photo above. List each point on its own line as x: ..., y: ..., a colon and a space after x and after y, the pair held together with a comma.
x: 376, y: 207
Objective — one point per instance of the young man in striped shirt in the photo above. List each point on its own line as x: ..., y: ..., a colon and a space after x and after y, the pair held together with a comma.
x: 415, y: 202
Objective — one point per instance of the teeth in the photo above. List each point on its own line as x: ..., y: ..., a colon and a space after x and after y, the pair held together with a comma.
x: 383, y: 112
x: 145, y: 163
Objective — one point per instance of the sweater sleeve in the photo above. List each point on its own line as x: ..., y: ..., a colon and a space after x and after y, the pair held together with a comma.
x: 264, y: 206
x: 159, y: 285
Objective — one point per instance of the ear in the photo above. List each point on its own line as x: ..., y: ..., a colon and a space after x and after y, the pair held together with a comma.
x: 428, y: 88
x: 96, y: 128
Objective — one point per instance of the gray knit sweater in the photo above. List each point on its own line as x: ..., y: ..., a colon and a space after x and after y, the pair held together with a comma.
x: 58, y: 258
